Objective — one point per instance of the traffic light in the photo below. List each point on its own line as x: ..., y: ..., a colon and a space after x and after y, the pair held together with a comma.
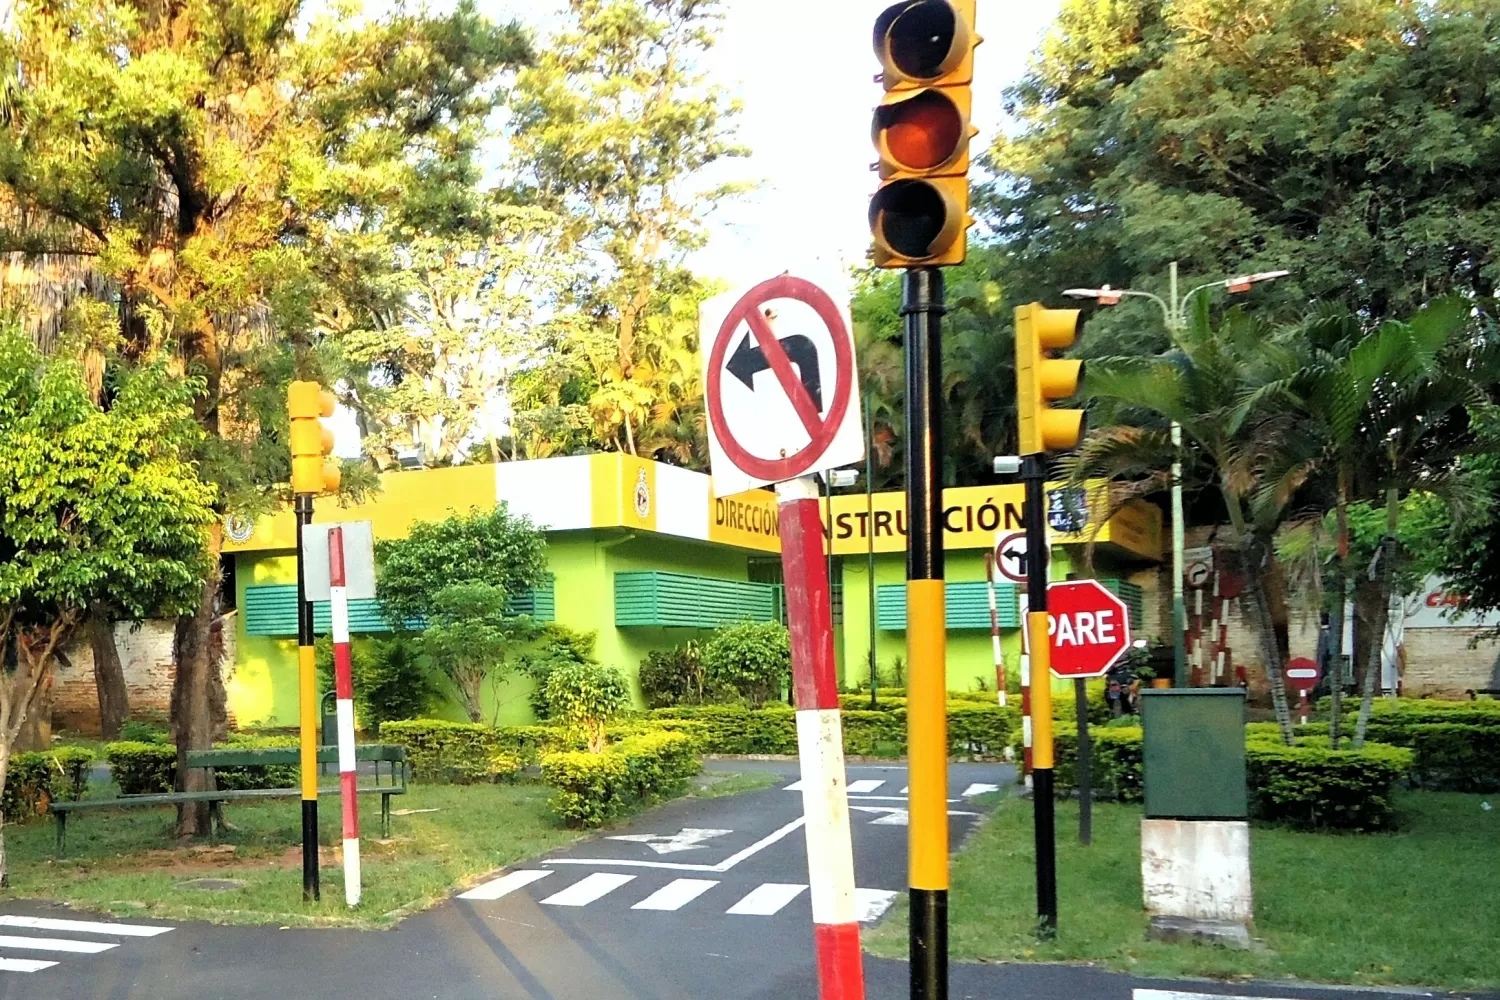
x: 1041, y: 379
x: 312, y: 470
x: 920, y: 215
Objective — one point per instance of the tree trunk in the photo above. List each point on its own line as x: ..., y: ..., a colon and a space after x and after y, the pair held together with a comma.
x: 192, y: 707
x: 1334, y: 668
x: 1385, y: 581
x: 36, y: 730
x: 4, y: 771
x: 1262, y: 588
x: 109, y: 675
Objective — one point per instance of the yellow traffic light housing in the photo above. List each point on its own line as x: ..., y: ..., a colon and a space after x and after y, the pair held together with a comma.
x: 921, y: 132
x: 311, y: 442
x: 1041, y: 379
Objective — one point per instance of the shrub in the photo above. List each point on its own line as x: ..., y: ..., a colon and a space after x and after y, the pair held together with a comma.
x: 458, y: 752
x: 138, y: 731
x: 244, y: 776
x: 392, y: 679
x: 141, y: 768
x: 555, y: 647
x: 585, y: 696
x: 736, y: 729
x: 470, y: 637
x: 673, y: 676
x: 527, y: 743
x: 1456, y: 757
x: 974, y: 729
x: 593, y: 788
x: 35, y: 779
x: 1313, y: 787
x: 752, y: 659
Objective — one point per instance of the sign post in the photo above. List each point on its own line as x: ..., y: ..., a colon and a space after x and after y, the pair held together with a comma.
x: 771, y: 421
x: 1303, y: 674
x: 989, y: 577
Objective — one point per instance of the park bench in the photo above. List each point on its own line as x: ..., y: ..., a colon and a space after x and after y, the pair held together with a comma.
x: 393, y: 756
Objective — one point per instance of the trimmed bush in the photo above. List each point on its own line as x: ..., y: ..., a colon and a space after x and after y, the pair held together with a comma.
x: 256, y: 775
x: 138, y: 731
x: 33, y: 780
x: 975, y: 729
x: 586, y: 696
x: 752, y: 659
x: 460, y: 753
x: 897, y: 696
x: 141, y: 768
x: 735, y: 729
x: 673, y: 676
x: 1456, y: 758
x: 593, y: 788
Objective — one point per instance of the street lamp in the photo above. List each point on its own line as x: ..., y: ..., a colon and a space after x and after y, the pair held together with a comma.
x: 1174, y: 307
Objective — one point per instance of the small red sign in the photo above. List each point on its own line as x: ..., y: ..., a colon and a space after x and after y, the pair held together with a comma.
x: 1303, y: 674
x: 1089, y: 626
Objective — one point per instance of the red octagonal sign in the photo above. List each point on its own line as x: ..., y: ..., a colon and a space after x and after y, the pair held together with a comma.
x: 1089, y: 627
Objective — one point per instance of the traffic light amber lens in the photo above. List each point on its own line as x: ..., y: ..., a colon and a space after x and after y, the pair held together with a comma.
x: 922, y: 133
x: 922, y: 39
x: 911, y: 216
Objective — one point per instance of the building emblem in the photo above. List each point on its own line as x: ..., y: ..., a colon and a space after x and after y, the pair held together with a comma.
x: 642, y: 496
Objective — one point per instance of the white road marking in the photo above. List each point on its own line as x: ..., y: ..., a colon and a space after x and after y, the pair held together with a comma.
x: 676, y: 894
x: 766, y: 899
x: 505, y: 884
x: 871, y: 903
x: 688, y: 839
x: 896, y: 816
x: 905, y: 789
x: 865, y: 785
x: 1174, y: 995
x: 24, y: 965
x: 795, y: 786
x: 677, y: 866
x: 55, y: 944
x: 81, y: 926
x: 979, y: 788
x: 586, y: 890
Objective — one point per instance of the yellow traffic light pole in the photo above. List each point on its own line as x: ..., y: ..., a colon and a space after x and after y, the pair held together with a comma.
x: 311, y: 444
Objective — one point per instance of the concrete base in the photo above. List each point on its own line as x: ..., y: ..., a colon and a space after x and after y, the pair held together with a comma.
x: 1177, y: 930
x: 1197, y: 869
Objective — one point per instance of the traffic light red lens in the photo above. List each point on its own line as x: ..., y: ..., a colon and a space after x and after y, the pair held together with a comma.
x: 921, y: 39
x: 911, y: 215
x: 924, y: 132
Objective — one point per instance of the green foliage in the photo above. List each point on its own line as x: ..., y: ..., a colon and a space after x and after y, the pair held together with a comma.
x: 470, y: 638
x: 243, y: 776
x: 556, y: 646
x: 32, y: 780
x: 752, y: 659
x: 593, y: 788
x: 586, y: 696
x: 391, y: 680
x: 491, y: 547
x: 137, y: 731
x: 457, y: 752
x: 1456, y: 758
x: 141, y: 768
x: 673, y: 676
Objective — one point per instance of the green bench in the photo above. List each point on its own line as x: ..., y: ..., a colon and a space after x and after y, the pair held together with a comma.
x: 392, y: 756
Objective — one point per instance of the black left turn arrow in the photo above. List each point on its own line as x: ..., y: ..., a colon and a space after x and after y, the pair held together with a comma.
x: 749, y: 360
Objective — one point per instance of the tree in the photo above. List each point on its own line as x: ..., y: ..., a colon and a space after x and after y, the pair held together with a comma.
x: 492, y: 547
x: 613, y: 129
x: 752, y: 659
x: 1343, y: 141
x: 585, y: 696
x: 94, y: 505
x: 470, y: 638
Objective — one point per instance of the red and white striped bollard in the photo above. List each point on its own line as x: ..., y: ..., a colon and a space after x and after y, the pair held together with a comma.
x: 343, y: 681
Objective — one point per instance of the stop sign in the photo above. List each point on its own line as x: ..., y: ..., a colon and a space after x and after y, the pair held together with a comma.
x: 1089, y: 626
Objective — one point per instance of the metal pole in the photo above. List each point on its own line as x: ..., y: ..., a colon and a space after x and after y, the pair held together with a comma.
x: 1033, y: 472
x: 926, y: 636
x: 870, y: 540
x: 1085, y: 764
x: 307, y: 688
x: 820, y: 744
x: 1175, y: 323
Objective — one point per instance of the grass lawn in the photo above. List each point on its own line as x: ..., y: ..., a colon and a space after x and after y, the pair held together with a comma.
x: 1420, y: 906
x: 126, y: 862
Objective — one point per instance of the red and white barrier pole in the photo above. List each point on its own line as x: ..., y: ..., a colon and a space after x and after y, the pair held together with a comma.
x: 343, y: 681
x: 1025, y: 698
x: 989, y: 576
x: 820, y: 743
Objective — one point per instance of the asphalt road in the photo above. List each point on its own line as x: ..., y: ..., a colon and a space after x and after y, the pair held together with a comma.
x: 701, y: 899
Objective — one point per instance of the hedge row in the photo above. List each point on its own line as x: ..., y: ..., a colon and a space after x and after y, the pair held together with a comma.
x: 1458, y: 755
x: 593, y: 788
x: 1308, y: 786
x: 975, y: 729
x: 36, y: 778
x: 143, y: 768
x: 458, y: 752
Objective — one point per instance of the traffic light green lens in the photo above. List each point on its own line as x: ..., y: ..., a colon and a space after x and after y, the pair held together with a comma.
x: 912, y: 217
x: 921, y: 39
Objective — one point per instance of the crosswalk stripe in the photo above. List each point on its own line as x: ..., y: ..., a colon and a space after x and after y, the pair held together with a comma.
x: 81, y: 926
x: 585, y: 891
x: 979, y: 788
x: 766, y: 898
x: 676, y: 894
x: 24, y: 965
x: 865, y: 785
x: 505, y: 884
x: 795, y: 786
x: 870, y: 904
x: 55, y: 944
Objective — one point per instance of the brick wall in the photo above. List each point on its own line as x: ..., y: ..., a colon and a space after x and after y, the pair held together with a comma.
x: 1446, y: 662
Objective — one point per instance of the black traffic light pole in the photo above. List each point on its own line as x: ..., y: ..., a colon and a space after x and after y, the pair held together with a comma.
x: 1034, y: 475
x: 922, y: 308
x: 310, y: 889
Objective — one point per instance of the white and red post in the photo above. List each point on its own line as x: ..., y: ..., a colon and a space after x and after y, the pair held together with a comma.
x: 343, y: 680
x: 989, y: 576
x: 820, y: 743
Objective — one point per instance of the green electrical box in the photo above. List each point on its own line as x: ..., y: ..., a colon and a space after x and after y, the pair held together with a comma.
x: 1193, y: 760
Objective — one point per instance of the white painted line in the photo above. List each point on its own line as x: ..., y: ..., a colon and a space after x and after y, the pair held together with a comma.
x: 722, y: 866
x: 864, y: 785
x: 504, y: 885
x: 905, y: 789
x: 1174, y: 995
x: 979, y: 788
x: 688, y: 839
x: 795, y: 786
x: 767, y: 898
x: 24, y: 965
x: 870, y: 904
x: 586, y: 890
x: 676, y: 894
x: 81, y: 926
x: 55, y: 944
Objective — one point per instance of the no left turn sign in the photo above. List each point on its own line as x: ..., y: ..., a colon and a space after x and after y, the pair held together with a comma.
x: 779, y: 381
